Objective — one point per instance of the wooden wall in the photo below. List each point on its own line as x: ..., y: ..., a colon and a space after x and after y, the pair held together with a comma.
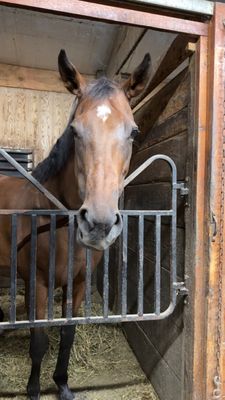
x: 30, y: 118
x: 158, y: 345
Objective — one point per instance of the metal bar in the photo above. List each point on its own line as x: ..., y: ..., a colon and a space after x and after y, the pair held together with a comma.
x: 13, y: 272
x: 70, y: 268
x: 32, y: 180
x: 158, y: 265
x: 33, y: 260
x: 202, y: 7
x: 90, y: 320
x: 146, y: 164
x: 85, y: 9
x: 106, y: 284
x: 88, y: 284
x: 140, y: 264
x: 47, y: 213
x: 124, y: 268
x: 51, y: 278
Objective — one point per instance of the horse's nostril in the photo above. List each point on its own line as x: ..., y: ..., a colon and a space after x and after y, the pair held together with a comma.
x: 83, y: 214
x: 117, y: 219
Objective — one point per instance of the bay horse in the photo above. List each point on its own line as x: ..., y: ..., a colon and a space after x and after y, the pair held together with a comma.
x: 85, y: 170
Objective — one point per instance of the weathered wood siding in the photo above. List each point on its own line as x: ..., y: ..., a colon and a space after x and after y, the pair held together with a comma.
x: 158, y: 344
x: 32, y: 119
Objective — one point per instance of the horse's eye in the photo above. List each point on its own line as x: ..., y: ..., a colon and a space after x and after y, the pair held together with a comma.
x: 134, y: 133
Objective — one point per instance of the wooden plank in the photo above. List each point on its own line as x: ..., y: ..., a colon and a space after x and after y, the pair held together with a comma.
x: 164, y: 380
x: 174, y: 125
x: 31, y: 78
x: 174, y: 56
x: 160, y: 170
x: 150, y: 112
x: 113, y: 14
x: 170, y: 345
x: 178, y: 101
x: 128, y: 37
x: 149, y: 247
x: 197, y: 234
x: 215, y: 356
x: 153, y: 196
x: 33, y: 119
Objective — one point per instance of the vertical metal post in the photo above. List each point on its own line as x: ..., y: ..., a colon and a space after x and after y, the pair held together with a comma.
x: 88, y: 283
x: 51, y: 278
x: 124, y: 268
x: 13, y: 272
x: 70, y: 267
x: 158, y: 265
x: 140, y: 264
x: 106, y: 284
x: 33, y: 260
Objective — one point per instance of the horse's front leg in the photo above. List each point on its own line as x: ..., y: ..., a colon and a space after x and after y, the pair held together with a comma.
x: 38, y: 346
x: 67, y: 333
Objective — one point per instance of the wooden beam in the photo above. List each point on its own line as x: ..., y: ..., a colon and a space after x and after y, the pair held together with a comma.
x: 197, y: 233
x: 126, y: 40
x: 111, y: 14
x: 31, y: 78
x: 175, y: 56
x: 149, y: 113
x: 215, y: 351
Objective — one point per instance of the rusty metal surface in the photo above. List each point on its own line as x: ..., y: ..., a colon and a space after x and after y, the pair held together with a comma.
x: 113, y: 14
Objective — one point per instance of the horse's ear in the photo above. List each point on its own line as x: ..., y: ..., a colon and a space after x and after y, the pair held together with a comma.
x: 136, y: 82
x: 72, y: 79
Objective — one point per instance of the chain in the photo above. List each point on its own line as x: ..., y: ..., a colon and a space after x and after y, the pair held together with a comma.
x: 217, y: 392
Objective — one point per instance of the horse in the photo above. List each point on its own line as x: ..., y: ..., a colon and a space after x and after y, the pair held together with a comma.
x: 85, y: 170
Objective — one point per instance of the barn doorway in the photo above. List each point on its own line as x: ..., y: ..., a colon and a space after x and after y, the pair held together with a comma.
x: 36, y: 108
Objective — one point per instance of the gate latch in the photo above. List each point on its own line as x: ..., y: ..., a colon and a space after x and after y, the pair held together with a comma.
x: 181, y: 288
x: 183, y: 189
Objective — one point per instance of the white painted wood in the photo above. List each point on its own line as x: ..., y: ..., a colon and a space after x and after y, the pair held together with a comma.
x: 196, y: 6
x: 34, y: 40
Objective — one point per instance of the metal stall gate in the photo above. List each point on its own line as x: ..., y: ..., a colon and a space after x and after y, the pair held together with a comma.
x: 69, y: 218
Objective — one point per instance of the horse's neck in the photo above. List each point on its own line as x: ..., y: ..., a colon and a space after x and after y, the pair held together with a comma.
x: 64, y: 186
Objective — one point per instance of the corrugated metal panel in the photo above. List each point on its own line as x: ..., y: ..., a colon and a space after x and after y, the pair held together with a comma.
x: 204, y: 7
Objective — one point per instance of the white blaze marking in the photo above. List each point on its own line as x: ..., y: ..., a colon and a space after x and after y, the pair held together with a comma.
x: 103, y: 112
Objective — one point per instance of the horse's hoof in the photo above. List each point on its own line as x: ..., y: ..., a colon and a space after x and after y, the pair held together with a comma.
x: 36, y: 397
x: 65, y: 393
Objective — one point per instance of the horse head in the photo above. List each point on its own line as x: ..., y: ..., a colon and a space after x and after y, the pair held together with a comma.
x: 104, y: 130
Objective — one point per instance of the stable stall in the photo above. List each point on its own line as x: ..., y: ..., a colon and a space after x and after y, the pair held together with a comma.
x: 181, y: 118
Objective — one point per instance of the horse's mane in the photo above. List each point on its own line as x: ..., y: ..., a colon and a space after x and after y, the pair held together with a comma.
x: 62, y: 149
x: 57, y: 157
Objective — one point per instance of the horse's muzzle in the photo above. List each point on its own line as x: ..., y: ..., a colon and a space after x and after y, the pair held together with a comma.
x: 98, y: 234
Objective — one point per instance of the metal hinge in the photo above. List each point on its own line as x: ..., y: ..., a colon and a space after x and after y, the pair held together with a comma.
x: 181, y: 289
x: 184, y: 190
x: 213, y: 227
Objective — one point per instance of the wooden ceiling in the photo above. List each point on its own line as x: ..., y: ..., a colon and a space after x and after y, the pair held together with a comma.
x: 33, y: 39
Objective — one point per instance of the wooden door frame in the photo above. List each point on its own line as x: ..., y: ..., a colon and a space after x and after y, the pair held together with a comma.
x: 206, y: 250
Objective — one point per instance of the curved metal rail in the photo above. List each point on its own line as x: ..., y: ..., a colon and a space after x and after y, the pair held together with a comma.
x: 106, y: 317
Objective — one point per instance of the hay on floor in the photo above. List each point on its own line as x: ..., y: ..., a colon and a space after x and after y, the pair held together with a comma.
x: 100, y: 356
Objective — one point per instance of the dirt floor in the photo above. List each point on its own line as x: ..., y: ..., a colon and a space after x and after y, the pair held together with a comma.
x: 102, y: 365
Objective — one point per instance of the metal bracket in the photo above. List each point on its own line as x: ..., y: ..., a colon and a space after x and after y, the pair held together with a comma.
x: 184, y: 190
x: 181, y: 288
x: 213, y: 223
